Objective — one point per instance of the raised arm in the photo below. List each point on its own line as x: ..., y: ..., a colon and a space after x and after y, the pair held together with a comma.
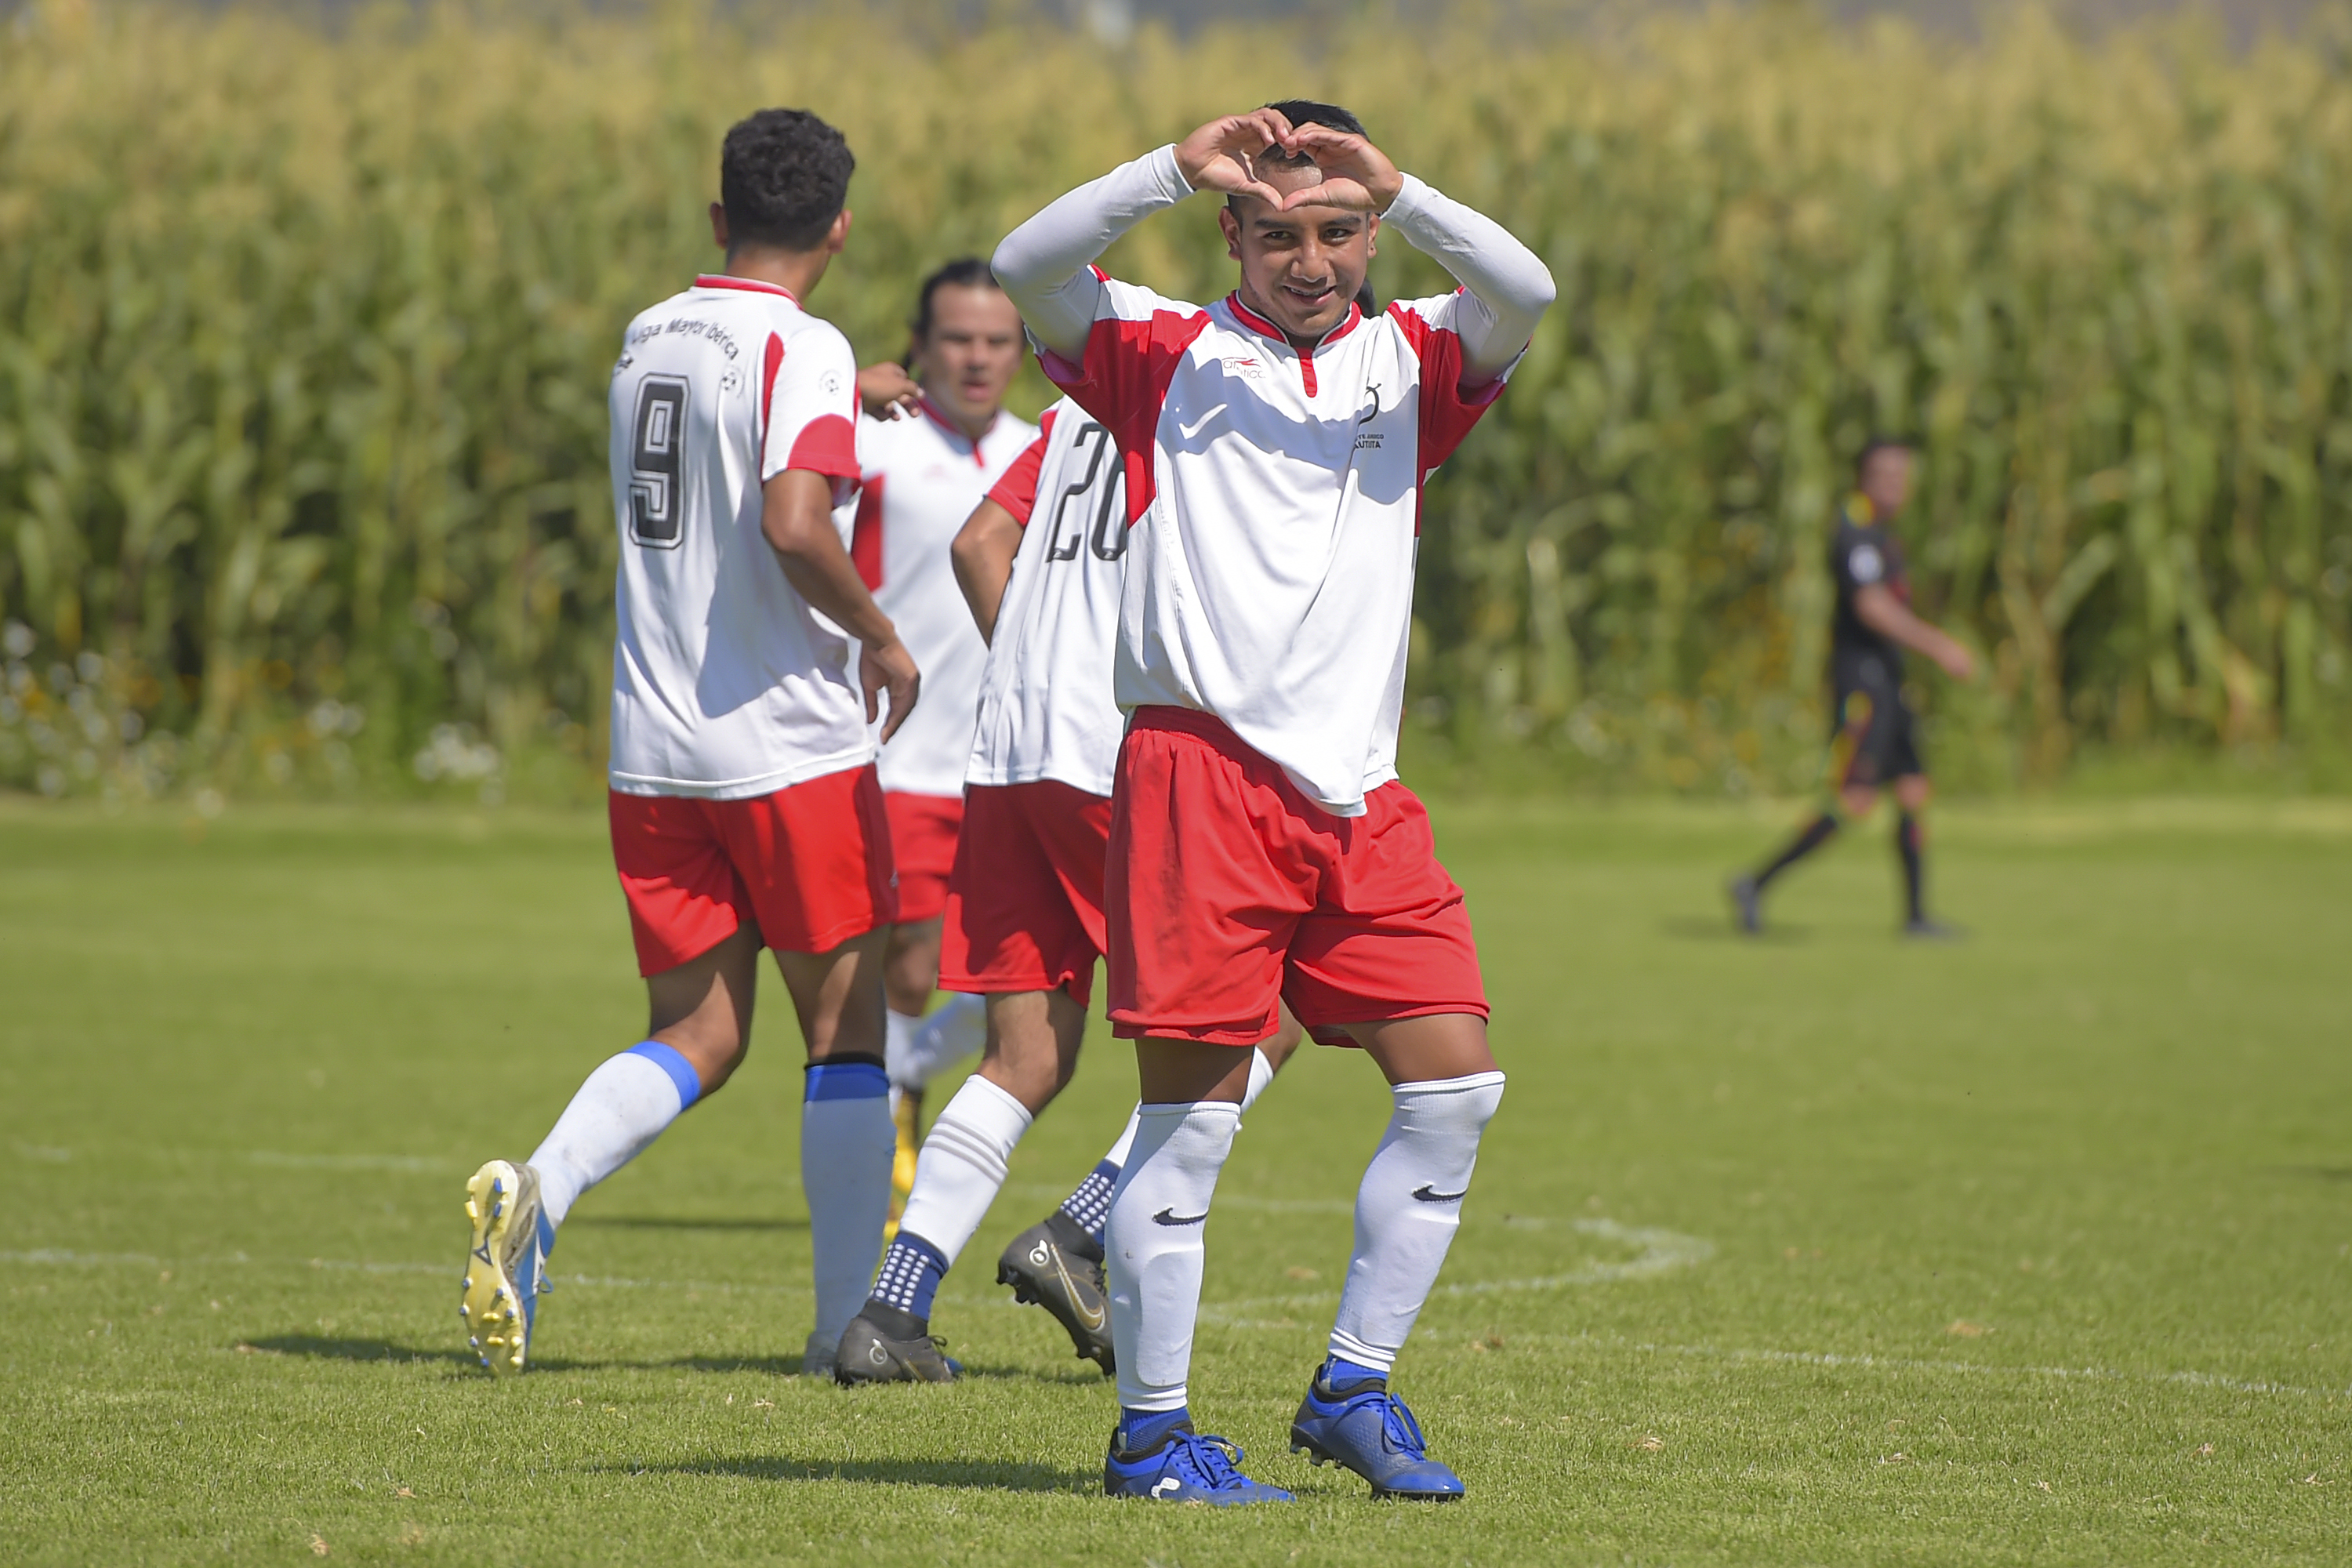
x: 1044, y: 265
x: 1508, y: 285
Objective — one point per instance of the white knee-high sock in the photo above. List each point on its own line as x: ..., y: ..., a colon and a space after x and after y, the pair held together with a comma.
x: 846, y: 1141
x: 898, y: 1049
x: 1261, y: 1074
x: 1153, y: 1246
x: 961, y: 1166
x: 947, y: 1037
x: 1407, y: 1211
x: 623, y: 1106
x: 1089, y: 1206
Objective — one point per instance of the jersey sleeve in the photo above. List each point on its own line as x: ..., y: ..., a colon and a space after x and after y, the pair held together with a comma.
x: 1016, y: 490
x: 810, y: 404
x: 1859, y: 563
x: 1132, y: 350
x: 1447, y: 410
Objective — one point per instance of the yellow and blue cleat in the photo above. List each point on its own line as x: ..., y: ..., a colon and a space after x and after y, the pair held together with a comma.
x: 506, y: 1264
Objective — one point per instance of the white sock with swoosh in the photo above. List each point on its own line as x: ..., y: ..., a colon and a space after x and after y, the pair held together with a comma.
x: 1407, y: 1211
x: 1152, y: 1246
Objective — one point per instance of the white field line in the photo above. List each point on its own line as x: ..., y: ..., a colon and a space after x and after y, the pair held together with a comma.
x: 1913, y: 1363
x: 1221, y: 1314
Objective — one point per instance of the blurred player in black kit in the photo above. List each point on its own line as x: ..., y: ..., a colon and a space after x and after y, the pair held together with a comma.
x: 1873, y: 741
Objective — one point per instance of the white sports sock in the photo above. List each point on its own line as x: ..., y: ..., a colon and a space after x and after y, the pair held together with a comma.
x: 1407, y: 1211
x: 1118, y: 1150
x: 1261, y: 1074
x: 961, y: 1166
x: 947, y: 1035
x: 1152, y: 1250
x: 846, y: 1142
x: 623, y: 1107
x: 898, y: 1050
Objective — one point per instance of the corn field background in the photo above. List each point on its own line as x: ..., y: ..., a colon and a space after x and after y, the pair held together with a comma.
x: 304, y: 332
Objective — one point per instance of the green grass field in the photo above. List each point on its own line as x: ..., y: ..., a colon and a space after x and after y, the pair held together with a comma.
x: 1817, y: 1248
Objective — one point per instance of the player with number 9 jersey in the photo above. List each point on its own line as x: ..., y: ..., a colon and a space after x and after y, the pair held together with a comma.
x: 726, y: 683
x: 744, y: 805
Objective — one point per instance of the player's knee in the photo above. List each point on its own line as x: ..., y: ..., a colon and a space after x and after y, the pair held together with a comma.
x: 713, y: 1048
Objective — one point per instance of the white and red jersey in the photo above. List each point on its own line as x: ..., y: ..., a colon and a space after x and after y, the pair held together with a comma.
x: 922, y: 477
x: 1275, y: 495
x: 1275, y: 498
x: 1046, y: 706
x: 726, y: 683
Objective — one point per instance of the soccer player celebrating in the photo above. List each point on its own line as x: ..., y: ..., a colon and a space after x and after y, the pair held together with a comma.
x: 1872, y: 734
x: 1261, y: 848
x: 922, y: 476
x: 1025, y: 922
x: 745, y: 809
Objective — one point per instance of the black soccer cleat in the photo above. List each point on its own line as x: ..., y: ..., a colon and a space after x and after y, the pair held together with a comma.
x: 1747, y: 904
x: 869, y: 1355
x: 1044, y: 1273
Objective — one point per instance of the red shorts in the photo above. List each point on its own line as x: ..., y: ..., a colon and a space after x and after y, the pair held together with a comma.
x: 1228, y: 890
x: 923, y: 846
x: 1025, y: 902
x: 809, y: 865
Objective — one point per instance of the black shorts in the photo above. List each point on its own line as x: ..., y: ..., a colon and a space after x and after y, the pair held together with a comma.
x: 1874, y: 737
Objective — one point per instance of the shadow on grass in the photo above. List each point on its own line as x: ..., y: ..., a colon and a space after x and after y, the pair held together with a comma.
x: 321, y: 1349
x: 318, y: 1348
x: 665, y: 1222
x: 1719, y: 928
x: 993, y: 1476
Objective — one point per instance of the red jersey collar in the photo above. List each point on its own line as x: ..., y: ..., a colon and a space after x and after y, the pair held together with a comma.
x: 931, y: 410
x: 1264, y: 328
x: 748, y: 285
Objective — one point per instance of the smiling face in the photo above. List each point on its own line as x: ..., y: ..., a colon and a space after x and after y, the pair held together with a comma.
x: 1300, y: 268
x: 969, y: 356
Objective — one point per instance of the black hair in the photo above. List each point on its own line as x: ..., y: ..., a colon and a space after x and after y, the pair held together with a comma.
x: 1879, y: 443
x: 1366, y: 300
x: 1307, y: 112
x: 963, y: 272
x: 783, y: 175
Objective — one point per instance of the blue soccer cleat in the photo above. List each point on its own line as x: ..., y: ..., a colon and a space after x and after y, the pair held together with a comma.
x: 1184, y: 1467
x: 1367, y: 1429
x: 505, y: 1264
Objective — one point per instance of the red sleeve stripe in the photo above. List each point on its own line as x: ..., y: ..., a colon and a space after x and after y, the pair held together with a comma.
x: 1016, y: 490
x: 775, y: 358
x: 826, y: 444
x: 1124, y: 384
x: 1447, y: 409
x: 865, y: 537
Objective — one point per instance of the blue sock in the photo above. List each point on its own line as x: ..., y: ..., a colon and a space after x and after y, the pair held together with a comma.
x: 911, y: 1271
x: 1140, y: 1431
x: 1339, y: 1374
x: 1089, y: 1206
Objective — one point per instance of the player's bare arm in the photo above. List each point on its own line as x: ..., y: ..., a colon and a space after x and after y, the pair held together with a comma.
x: 982, y: 554
x: 796, y: 515
x: 1876, y: 607
x: 887, y: 391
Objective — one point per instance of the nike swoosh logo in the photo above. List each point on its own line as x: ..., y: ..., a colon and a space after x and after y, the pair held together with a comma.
x: 1093, y: 1319
x: 1195, y: 429
x: 1428, y: 1194
x: 1170, y: 1216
